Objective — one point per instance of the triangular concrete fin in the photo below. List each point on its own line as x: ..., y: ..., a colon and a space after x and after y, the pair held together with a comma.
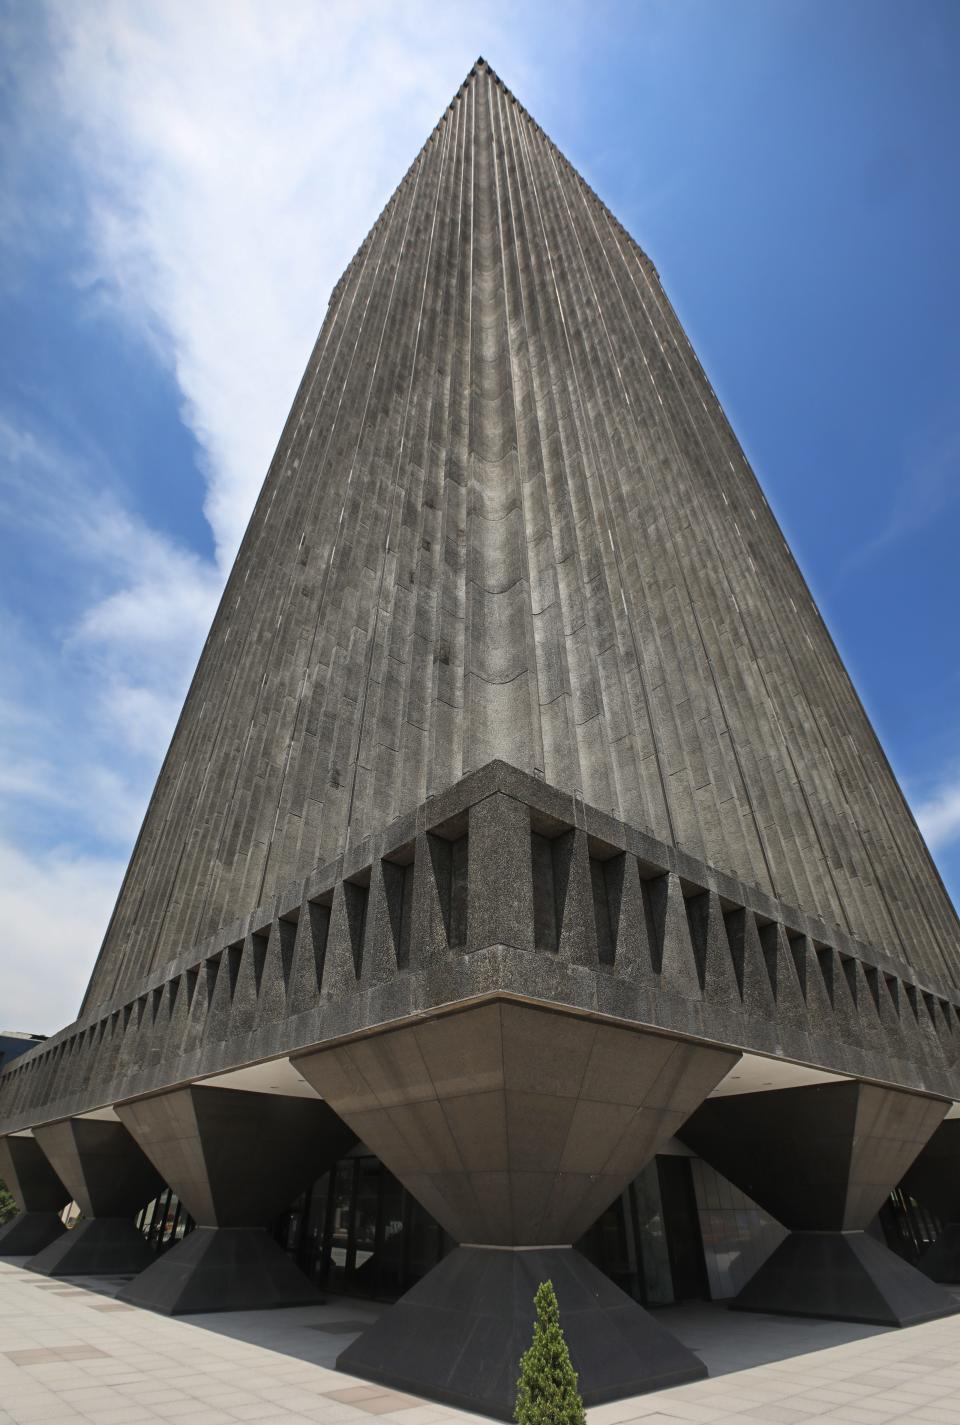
x: 134, y: 1044
x: 218, y: 1021
x: 389, y: 913
x: 573, y: 888
x: 883, y: 989
x: 166, y: 1006
x: 845, y: 1018
x: 749, y: 963
x: 309, y: 953
x: 711, y: 950
x: 949, y: 1029
x: 90, y: 1041
x: 865, y: 1004
x: 942, y: 1020
x: 152, y: 1042
x: 203, y: 992
x: 926, y: 1040
x: 243, y: 1010
x: 782, y: 969
x: 669, y: 935
x: 810, y: 979
x: 623, y: 929
x: 348, y: 917
x: 438, y: 898
x: 277, y: 965
x: 180, y: 1017
x: 113, y: 1041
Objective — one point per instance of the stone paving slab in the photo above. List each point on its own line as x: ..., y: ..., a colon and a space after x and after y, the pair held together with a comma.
x: 63, y: 1361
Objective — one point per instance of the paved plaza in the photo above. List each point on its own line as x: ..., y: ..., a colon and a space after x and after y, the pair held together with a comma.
x: 69, y: 1353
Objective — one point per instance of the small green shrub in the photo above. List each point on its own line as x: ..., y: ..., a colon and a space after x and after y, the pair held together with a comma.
x: 547, y: 1391
x: 8, y: 1208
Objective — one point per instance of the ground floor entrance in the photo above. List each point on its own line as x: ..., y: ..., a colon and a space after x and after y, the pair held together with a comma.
x: 679, y: 1233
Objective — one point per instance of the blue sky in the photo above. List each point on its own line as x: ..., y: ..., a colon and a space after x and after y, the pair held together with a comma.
x: 181, y: 183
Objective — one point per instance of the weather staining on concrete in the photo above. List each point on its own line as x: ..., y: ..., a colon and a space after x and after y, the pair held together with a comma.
x: 521, y: 818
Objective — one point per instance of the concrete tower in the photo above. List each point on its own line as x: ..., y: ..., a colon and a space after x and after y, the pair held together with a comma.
x: 519, y: 792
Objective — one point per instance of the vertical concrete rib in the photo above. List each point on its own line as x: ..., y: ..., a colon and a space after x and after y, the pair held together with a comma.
x: 507, y: 518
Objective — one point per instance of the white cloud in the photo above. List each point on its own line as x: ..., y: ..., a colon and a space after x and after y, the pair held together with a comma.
x: 89, y: 707
x: 228, y: 157
x: 55, y: 908
x: 939, y: 815
x: 236, y: 154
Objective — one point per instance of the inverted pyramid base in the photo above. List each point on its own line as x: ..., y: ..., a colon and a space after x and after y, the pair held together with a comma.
x: 458, y: 1335
x: 99, y: 1246
x: 29, y: 1232
x: 843, y: 1276
x: 221, y: 1269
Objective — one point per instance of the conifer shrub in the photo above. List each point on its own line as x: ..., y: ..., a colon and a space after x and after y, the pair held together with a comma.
x: 8, y: 1207
x: 547, y: 1391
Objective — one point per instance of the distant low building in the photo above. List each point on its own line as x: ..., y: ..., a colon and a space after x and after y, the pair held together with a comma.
x: 14, y: 1042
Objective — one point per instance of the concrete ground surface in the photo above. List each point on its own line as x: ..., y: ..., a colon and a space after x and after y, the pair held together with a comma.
x: 69, y: 1353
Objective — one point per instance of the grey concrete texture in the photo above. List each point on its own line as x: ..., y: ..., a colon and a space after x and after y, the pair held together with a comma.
x: 831, y: 1155
x: 507, y: 518
x: 235, y: 1159
x: 594, y: 916
x: 101, y: 1164
x: 515, y: 691
x: 511, y: 1124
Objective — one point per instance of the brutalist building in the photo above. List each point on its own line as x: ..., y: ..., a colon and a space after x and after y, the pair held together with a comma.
x: 525, y: 893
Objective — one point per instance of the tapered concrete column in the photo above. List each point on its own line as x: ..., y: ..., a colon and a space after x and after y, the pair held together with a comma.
x: 934, y: 1180
x: 515, y: 1126
x: 110, y: 1180
x: 822, y: 1159
x: 235, y: 1160
x: 39, y: 1194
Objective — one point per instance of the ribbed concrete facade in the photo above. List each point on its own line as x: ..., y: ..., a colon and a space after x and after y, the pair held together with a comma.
x: 521, y: 821
x: 508, y: 519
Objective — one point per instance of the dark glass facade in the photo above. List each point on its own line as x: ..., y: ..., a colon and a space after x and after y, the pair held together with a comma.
x: 165, y: 1221
x: 359, y: 1232
x: 679, y: 1232
x: 908, y: 1228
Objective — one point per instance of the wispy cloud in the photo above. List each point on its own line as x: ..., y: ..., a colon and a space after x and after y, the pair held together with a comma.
x: 219, y: 162
x: 87, y: 710
x: 938, y: 815
x: 235, y: 154
x: 55, y: 906
x: 931, y: 483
